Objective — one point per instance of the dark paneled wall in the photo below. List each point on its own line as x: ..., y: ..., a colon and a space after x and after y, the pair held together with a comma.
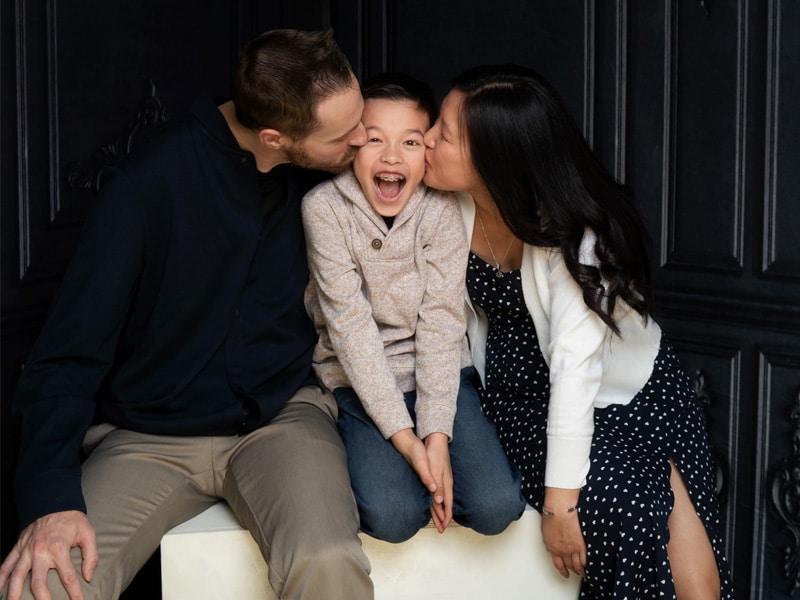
x: 692, y: 102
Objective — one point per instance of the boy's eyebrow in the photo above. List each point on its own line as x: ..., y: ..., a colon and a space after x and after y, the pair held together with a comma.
x: 407, y: 131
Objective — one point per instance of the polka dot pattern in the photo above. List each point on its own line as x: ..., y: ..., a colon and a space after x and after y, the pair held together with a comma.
x: 627, y: 499
x: 517, y: 384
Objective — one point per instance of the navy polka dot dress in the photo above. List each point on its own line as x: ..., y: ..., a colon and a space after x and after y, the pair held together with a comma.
x: 627, y: 498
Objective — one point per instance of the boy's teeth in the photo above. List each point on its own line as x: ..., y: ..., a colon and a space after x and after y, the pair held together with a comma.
x: 390, y: 177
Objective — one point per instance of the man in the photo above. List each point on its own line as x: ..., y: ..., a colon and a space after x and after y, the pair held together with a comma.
x: 177, y: 353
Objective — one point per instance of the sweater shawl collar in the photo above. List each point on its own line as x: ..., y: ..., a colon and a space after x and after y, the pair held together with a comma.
x: 347, y: 184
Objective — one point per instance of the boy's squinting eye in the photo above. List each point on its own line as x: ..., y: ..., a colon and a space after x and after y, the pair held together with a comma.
x: 412, y: 143
x: 374, y: 139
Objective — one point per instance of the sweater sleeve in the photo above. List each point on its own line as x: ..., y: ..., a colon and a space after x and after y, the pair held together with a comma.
x: 347, y: 313
x: 441, y: 328
x: 577, y: 339
x: 55, y: 397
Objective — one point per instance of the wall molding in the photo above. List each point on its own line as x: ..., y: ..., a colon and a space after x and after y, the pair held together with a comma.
x: 780, y: 316
x: 589, y: 66
x: 621, y: 91
x: 784, y: 496
x: 87, y: 175
x: 773, y: 266
x: 729, y: 257
x: 772, y: 502
x: 720, y: 463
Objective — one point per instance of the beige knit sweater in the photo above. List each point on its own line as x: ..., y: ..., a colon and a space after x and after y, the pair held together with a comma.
x: 388, y: 304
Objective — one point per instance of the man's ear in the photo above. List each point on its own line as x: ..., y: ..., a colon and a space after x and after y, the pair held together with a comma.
x: 271, y: 138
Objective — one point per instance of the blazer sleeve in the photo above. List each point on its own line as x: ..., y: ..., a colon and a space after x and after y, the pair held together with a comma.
x: 577, y: 337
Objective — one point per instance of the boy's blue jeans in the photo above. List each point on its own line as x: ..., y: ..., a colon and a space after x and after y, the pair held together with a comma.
x: 393, y: 503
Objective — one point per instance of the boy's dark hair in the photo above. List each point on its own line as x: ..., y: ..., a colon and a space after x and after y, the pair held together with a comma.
x: 399, y: 86
x: 281, y: 77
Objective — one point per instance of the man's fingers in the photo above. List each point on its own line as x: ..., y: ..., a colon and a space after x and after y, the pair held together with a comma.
x: 90, y: 556
x: 8, y: 566
x: 69, y: 576
x: 39, y: 581
x: 17, y: 578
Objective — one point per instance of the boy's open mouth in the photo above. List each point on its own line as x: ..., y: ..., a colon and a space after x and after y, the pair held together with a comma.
x: 389, y: 186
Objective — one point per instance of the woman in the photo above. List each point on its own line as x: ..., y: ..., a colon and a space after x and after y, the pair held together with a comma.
x: 586, y: 394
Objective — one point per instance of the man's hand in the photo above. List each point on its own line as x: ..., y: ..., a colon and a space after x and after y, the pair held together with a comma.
x: 45, y: 544
x: 438, y: 450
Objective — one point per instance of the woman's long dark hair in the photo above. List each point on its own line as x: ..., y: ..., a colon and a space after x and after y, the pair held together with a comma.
x: 549, y: 187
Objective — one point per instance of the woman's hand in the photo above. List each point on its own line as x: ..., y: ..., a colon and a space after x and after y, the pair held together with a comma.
x: 561, y: 531
x: 438, y: 451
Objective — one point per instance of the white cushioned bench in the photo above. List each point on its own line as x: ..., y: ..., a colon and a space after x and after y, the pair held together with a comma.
x: 211, y: 557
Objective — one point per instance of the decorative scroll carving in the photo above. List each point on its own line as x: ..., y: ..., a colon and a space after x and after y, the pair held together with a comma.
x: 785, y: 497
x: 151, y: 114
x: 703, y: 399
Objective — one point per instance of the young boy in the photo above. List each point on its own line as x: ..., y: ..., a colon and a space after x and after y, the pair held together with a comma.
x: 387, y: 259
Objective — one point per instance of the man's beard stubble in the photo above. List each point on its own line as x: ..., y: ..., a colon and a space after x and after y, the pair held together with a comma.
x: 299, y: 157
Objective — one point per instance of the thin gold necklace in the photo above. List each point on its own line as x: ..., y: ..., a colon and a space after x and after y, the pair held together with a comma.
x: 497, y: 272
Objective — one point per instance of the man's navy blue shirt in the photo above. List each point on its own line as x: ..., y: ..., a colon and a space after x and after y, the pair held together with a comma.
x: 181, y: 312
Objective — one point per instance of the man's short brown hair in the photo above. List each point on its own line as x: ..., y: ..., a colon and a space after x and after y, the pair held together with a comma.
x: 282, y: 76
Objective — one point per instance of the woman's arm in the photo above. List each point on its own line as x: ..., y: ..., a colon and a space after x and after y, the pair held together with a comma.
x: 576, y: 342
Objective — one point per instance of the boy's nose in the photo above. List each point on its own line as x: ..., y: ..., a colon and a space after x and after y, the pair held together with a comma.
x: 391, y: 155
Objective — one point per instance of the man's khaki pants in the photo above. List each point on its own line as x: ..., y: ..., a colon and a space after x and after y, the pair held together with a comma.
x: 287, y: 482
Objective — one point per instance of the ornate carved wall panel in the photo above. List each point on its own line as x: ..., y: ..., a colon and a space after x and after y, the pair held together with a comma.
x: 777, y: 511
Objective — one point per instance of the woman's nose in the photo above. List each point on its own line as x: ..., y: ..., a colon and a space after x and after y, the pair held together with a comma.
x: 428, y: 138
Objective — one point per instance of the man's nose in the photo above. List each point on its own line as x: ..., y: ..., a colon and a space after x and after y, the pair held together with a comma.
x: 359, y: 136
